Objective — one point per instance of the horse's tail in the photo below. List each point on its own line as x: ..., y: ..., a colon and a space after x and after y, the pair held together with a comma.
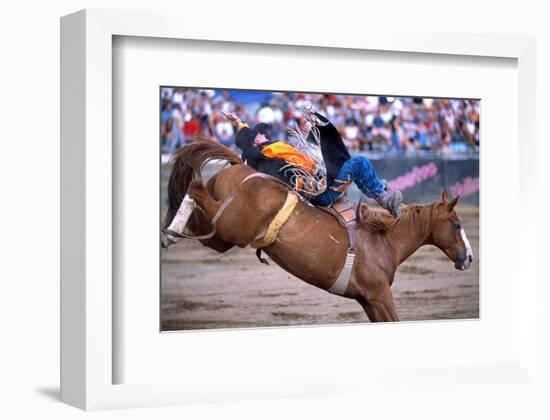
x: 187, y: 163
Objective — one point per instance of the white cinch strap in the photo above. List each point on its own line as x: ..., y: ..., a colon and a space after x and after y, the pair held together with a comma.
x: 341, y: 284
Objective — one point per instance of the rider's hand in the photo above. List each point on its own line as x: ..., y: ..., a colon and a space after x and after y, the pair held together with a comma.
x: 231, y: 117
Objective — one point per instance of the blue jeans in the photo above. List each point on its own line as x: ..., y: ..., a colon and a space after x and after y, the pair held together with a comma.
x: 358, y: 169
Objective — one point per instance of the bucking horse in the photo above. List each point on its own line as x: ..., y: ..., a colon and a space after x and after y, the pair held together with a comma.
x: 240, y: 207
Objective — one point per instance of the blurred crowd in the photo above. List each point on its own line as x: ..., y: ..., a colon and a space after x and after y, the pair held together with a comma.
x: 367, y: 123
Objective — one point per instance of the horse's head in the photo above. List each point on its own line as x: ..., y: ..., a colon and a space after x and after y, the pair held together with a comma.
x: 449, y: 236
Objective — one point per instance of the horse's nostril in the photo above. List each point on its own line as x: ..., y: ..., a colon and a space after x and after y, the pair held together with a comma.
x: 470, y: 258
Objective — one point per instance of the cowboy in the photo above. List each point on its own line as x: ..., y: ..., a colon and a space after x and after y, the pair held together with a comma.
x: 341, y: 168
x: 275, y: 158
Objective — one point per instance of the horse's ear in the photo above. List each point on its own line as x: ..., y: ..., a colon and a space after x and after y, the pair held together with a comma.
x: 359, y: 210
x: 358, y: 215
x: 452, y: 204
x: 444, y: 196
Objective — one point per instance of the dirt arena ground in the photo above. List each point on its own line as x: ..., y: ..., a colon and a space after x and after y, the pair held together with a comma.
x: 202, y: 289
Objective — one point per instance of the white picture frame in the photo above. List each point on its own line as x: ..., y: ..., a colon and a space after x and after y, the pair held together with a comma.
x: 86, y: 204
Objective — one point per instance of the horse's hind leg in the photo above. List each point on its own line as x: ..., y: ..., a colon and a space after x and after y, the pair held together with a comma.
x: 228, y: 233
x: 198, y: 192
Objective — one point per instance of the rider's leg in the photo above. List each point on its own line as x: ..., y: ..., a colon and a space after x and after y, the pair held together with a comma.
x: 359, y: 170
x: 327, y: 198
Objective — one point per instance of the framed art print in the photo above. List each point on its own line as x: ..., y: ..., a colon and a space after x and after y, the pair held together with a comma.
x: 423, y: 146
x: 172, y: 130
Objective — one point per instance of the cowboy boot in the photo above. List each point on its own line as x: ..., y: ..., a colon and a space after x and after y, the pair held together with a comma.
x: 390, y: 200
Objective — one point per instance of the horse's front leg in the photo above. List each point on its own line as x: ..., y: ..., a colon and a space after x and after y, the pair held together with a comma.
x: 372, y: 291
x: 369, y: 310
x: 383, y: 302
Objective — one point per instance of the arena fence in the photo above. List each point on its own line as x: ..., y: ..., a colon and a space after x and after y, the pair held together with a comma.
x: 421, y: 179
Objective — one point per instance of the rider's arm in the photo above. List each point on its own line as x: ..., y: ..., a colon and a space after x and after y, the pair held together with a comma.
x: 252, y: 155
x: 241, y: 125
x: 236, y: 121
x: 289, y: 154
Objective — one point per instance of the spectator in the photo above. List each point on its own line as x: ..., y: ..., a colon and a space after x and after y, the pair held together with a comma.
x: 381, y: 123
x: 224, y: 131
x: 351, y: 135
x: 192, y: 126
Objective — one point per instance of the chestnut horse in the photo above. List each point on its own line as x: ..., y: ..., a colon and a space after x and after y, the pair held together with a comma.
x: 311, y: 245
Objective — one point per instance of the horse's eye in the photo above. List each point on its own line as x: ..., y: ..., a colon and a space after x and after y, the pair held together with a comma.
x: 456, y: 226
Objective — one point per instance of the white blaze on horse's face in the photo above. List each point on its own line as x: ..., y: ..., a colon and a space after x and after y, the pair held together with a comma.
x: 469, y: 252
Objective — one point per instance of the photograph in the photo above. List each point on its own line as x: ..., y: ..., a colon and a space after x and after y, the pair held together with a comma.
x: 287, y: 209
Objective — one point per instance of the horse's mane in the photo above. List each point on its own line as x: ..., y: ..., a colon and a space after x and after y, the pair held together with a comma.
x: 380, y: 221
x: 187, y: 162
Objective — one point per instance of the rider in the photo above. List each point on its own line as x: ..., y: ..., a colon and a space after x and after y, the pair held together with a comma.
x: 341, y: 169
x: 267, y: 156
